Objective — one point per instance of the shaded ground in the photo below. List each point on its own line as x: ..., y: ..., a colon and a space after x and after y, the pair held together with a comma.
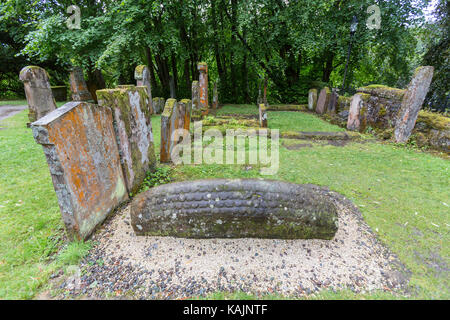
x: 7, y: 111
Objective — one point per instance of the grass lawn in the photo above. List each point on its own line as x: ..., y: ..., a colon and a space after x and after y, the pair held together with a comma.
x: 403, y: 194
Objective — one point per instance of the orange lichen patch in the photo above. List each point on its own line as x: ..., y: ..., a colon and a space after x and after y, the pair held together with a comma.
x: 82, y: 154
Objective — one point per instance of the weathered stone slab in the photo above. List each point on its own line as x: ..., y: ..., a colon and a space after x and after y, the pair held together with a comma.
x: 185, y: 109
x: 412, y: 102
x: 142, y: 77
x: 158, y: 105
x: 170, y: 121
x: 312, y: 99
x: 262, y: 115
x: 215, y: 103
x: 38, y: 92
x: 354, y: 121
x: 203, y: 87
x: 323, y: 101
x: 59, y: 93
x: 240, y: 208
x: 196, y: 108
x: 78, y: 85
x: 332, y: 105
x: 133, y: 129
x: 383, y: 92
x: 81, y: 150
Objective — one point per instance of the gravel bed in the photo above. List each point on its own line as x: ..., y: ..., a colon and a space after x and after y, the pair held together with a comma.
x: 122, y: 264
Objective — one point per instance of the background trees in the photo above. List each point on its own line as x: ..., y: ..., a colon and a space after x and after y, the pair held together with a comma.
x: 292, y: 43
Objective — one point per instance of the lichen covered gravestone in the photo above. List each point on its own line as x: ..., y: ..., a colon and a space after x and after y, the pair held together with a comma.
x: 142, y: 77
x: 412, y: 102
x: 81, y: 150
x: 203, y: 87
x: 170, y: 121
x: 185, y: 107
x: 323, y: 101
x: 78, y: 85
x: 262, y: 115
x: 38, y: 92
x: 158, y: 105
x: 312, y: 99
x: 196, y: 108
x: 354, y: 121
x: 133, y: 130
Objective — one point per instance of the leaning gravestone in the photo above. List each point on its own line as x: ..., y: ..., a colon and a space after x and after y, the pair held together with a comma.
x: 133, y: 128
x: 354, y: 121
x: 38, y: 91
x: 170, y: 121
x: 262, y: 115
x: 312, y: 99
x: 142, y: 77
x: 323, y: 101
x: 78, y: 85
x: 412, y: 102
x: 81, y: 150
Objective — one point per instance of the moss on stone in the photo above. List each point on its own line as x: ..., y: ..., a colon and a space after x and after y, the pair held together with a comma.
x: 434, y: 120
x: 168, y: 108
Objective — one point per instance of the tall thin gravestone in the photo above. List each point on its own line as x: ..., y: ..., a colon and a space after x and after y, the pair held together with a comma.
x: 196, y: 111
x: 323, y: 101
x: 203, y: 87
x: 78, y: 85
x: 412, y: 102
x: 142, y: 77
x: 170, y: 121
x: 312, y: 99
x: 38, y: 92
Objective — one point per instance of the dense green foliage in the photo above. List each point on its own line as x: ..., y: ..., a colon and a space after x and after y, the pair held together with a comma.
x: 295, y: 44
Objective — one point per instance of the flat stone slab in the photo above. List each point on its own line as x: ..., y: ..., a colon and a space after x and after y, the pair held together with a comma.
x: 319, y: 135
x: 235, y: 208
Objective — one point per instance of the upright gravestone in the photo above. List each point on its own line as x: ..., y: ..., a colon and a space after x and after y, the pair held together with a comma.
x: 133, y: 128
x: 412, y: 102
x: 170, y: 121
x: 312, y: 99
x: 158, y: 105
x: 142, y: 77
x: 323, y: 101
x: 215, y: 102
x: 262, y: 115
x: 81, y: 150
x: 78, y: 85
x: 196, y: 109
x: 203, y: 87
x: 333, y: 101
x: 354, y: 121
x: 265, y: 92
x: 185, y: 107
x: 38, y: 92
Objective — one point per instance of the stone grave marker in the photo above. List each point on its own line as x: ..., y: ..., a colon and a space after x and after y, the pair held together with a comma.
x: 262, y: 115
x: 38, y: 92
x: 170, y: 121
x: 133, y: 128
x: 78, y: 85
x: 323, y: 101
x: 81, y: 150
x: 142, y: 77
x: 312, y: 99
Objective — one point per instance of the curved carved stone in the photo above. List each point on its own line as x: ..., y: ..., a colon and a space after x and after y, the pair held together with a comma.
x: 235, y: 208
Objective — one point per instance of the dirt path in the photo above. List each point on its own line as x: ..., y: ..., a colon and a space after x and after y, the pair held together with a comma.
x: 7, y: 111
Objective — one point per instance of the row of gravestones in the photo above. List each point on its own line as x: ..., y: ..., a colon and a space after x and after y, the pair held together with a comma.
x: 99, y: 154
x: 377, y: 106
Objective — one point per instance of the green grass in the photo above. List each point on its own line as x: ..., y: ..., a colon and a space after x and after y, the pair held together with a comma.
x: 401, y: 192
x: 13, y: 102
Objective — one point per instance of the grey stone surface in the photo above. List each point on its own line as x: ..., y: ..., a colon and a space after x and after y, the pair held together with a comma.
x: 239, y: 208
x: 81, y: 150
x: 38, y: 91
x: 78, y: 85
x: 142, y: 77
x: 412, y: 102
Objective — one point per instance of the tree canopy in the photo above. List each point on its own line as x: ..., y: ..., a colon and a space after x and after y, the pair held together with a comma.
x: 293, y: 43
